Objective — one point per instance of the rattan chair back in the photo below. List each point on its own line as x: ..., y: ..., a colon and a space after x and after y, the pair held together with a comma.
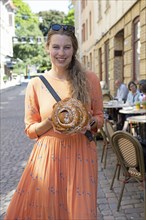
x: 130, y: 155
x: 109, y: 130
x: 105, y: 138
x: 107, y: 97
x: 105, y: 147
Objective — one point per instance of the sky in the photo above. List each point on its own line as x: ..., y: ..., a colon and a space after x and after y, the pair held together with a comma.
x: 43, y: 5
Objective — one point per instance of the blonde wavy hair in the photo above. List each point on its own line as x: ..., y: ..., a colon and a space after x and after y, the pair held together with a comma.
x: 77, y: 75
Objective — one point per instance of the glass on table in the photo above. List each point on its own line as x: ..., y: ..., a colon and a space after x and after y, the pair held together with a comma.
x: 137, y: 105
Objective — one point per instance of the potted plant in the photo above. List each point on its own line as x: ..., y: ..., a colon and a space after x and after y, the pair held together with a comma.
x: 144, y: 104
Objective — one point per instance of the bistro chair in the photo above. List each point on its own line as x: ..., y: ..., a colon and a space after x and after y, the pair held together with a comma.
x: 109, y: 129
x: 107, y: 97
x: 105, y: 147
x: 109, y: 112
x: 130, y: 155
x: 106, y: 140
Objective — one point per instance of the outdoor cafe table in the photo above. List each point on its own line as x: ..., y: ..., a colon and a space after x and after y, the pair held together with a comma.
x: 112, y: 109
x: 113, y: 105
x: 137, y: 118
x: 132, y: 110
x: 141, y: 121
x: 126, y: 111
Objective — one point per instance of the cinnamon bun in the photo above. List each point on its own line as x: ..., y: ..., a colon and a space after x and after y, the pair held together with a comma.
x: 69, y: 115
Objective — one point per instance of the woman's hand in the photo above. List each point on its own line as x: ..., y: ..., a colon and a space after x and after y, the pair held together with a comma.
x: 84, y: 129
x: 92, y: 122
x: 54, y: 129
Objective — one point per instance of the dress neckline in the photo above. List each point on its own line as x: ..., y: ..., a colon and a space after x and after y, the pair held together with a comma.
x: 56, y: 78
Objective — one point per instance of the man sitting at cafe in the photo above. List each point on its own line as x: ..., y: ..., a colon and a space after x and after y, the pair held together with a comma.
x: 122, y: 91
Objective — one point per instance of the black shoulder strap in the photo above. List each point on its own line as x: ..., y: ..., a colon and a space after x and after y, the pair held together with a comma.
x: 50, y: 88
x: 88, y: 133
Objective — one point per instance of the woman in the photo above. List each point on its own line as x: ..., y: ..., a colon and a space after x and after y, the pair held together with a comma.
x: 60, y: 179
x: 133, y: 95
x: 132, y: 98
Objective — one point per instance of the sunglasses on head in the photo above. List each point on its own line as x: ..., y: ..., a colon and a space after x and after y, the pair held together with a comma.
x: 65, y: 27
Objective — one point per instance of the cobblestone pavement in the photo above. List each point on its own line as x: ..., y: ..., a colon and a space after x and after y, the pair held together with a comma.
x: 132, y: 205
x: 16, y: 148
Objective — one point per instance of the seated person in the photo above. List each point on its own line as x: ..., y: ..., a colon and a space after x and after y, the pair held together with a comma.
x: 132, y: 98
x: 143, y: 92
x: 140, y: 83
x: 133, y: 94
x: 122, y: 91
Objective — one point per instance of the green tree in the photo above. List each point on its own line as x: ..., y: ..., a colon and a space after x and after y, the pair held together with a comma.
x: 69, y: 18
x: 48, y: 17
x: 27, y: 33
x: 31, y: 27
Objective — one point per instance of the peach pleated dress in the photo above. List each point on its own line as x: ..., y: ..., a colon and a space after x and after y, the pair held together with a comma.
x: 59, y: 181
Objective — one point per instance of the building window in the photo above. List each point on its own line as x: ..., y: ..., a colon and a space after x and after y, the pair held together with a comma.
x: 84, y: 60
x: 90, y: 65
x: 87, y: 62
x: 90, y: 23
x: 107, y: 6
x: 83, y: 33
x: 136, y: 49
x: 107, y: 76
x: 10, y: 20
x: 83, y: 2
x: 100, y: 63
x: 99, y: 10
x: 86, y: 29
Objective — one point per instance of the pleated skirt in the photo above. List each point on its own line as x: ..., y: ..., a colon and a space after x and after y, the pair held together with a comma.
x: 59, y: 181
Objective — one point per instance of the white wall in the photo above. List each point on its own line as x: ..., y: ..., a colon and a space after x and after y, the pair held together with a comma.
x: 7, y: 31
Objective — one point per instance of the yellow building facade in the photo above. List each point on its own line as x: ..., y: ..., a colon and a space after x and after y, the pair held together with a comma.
x: 112, y: 39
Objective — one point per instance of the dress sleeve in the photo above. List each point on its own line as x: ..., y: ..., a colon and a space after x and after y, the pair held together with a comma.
x: 96, y: 99
x: 32, y: 114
